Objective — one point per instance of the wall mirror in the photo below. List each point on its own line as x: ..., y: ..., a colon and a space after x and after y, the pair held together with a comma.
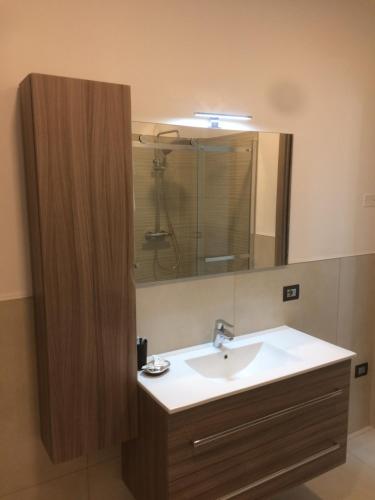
x: 209, y: 201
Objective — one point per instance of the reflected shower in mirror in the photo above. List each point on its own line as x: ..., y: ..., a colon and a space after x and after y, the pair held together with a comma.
x: 209, y: 201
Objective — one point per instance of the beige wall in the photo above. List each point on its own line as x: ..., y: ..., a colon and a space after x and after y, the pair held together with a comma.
x: 298, y: 66
x: 266, y: 194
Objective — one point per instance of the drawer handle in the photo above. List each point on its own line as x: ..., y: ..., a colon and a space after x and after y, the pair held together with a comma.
x: 282, y: 472
x: 267, y: 418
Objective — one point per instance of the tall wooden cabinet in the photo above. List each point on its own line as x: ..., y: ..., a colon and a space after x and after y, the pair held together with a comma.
x: 77, y: 148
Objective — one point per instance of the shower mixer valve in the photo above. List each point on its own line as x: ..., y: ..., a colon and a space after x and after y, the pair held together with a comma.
x: 159, y: 164
x: 157, y: 235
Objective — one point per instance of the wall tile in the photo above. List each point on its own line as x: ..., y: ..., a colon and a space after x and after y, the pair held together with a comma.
x: 23, y: 460
x: 70, y: 487
x: 359, y: 402
x: 356, y: 304
x: 181, y: 314
x: 105, y: 482
x: 336, y: 304
x: 259, y: 304
x: 356, y: 325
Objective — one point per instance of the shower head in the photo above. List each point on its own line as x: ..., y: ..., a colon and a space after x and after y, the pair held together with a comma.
x: 167, y: 151
x: 173, y: 131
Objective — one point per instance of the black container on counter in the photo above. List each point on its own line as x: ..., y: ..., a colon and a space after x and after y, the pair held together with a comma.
x: 141, y: 352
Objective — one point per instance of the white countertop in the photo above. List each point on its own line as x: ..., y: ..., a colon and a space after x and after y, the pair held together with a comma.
x: 182, y: 387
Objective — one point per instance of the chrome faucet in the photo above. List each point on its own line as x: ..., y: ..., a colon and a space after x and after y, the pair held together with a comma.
x: 221, y: 334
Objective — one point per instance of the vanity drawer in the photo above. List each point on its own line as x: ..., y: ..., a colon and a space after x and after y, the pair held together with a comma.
x: 260, y: 452
x: 295, y: 470
x: 247, y: 446
x: 303, y: 424
x: 226, y: 420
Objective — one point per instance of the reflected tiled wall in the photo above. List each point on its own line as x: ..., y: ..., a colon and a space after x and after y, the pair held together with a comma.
x: 208, y: 220
x: 264, y: 251
x: 178, y: 194
x: 337, y: 304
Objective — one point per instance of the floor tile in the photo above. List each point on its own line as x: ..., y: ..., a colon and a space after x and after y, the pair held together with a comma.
x: 353, y: 481
x: 70, y: 487
x: 299, y: 493
x: 362, y: 447
x: 105, y: 482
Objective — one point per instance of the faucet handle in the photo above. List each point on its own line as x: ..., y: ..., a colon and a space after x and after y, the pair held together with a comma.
x: 220, y: 324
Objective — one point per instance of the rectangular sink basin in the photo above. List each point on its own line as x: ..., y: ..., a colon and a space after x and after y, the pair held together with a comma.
x: 203, y: 373
x: 239, y: 362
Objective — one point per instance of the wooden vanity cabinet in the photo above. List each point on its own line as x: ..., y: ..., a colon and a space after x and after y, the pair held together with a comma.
x: 246, y: 446
x: 77, y: 151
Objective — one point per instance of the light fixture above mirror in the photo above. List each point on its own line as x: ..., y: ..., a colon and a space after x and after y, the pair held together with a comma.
x: 214, y: 118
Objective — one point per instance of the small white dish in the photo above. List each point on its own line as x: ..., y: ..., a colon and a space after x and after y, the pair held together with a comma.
x: 156, y: 366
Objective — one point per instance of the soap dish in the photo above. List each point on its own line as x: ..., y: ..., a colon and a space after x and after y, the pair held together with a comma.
x: 156, y: 366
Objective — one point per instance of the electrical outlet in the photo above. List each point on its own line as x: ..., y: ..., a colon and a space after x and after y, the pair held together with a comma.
x: 290, y: 292
x: 361, y: 370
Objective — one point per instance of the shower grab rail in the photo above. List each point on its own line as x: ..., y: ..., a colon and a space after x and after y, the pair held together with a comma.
x: 223, y: 258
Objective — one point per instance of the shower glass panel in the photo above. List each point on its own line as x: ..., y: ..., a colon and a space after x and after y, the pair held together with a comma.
x: 165, y: 189
x: 206, y: 201
x: 225, y: 216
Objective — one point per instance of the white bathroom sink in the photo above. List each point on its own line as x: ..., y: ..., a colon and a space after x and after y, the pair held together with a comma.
x: 239, y: 362
x: 203, y: 373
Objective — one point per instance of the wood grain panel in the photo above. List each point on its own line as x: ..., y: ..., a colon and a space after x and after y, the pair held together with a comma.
x: 78, y: 161
x: 248, y: 460
x: 283, y: 199
x: 264, y: 440
x: 228, y: 412
x: 36, y: 260
x: 145, y: 459
x: 309, y: 416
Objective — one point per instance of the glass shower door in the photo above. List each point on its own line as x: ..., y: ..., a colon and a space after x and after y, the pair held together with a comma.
x: 165, y: 191
x: 226, y: 203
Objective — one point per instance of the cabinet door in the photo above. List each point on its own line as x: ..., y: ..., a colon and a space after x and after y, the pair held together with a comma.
x: 77, y: 148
